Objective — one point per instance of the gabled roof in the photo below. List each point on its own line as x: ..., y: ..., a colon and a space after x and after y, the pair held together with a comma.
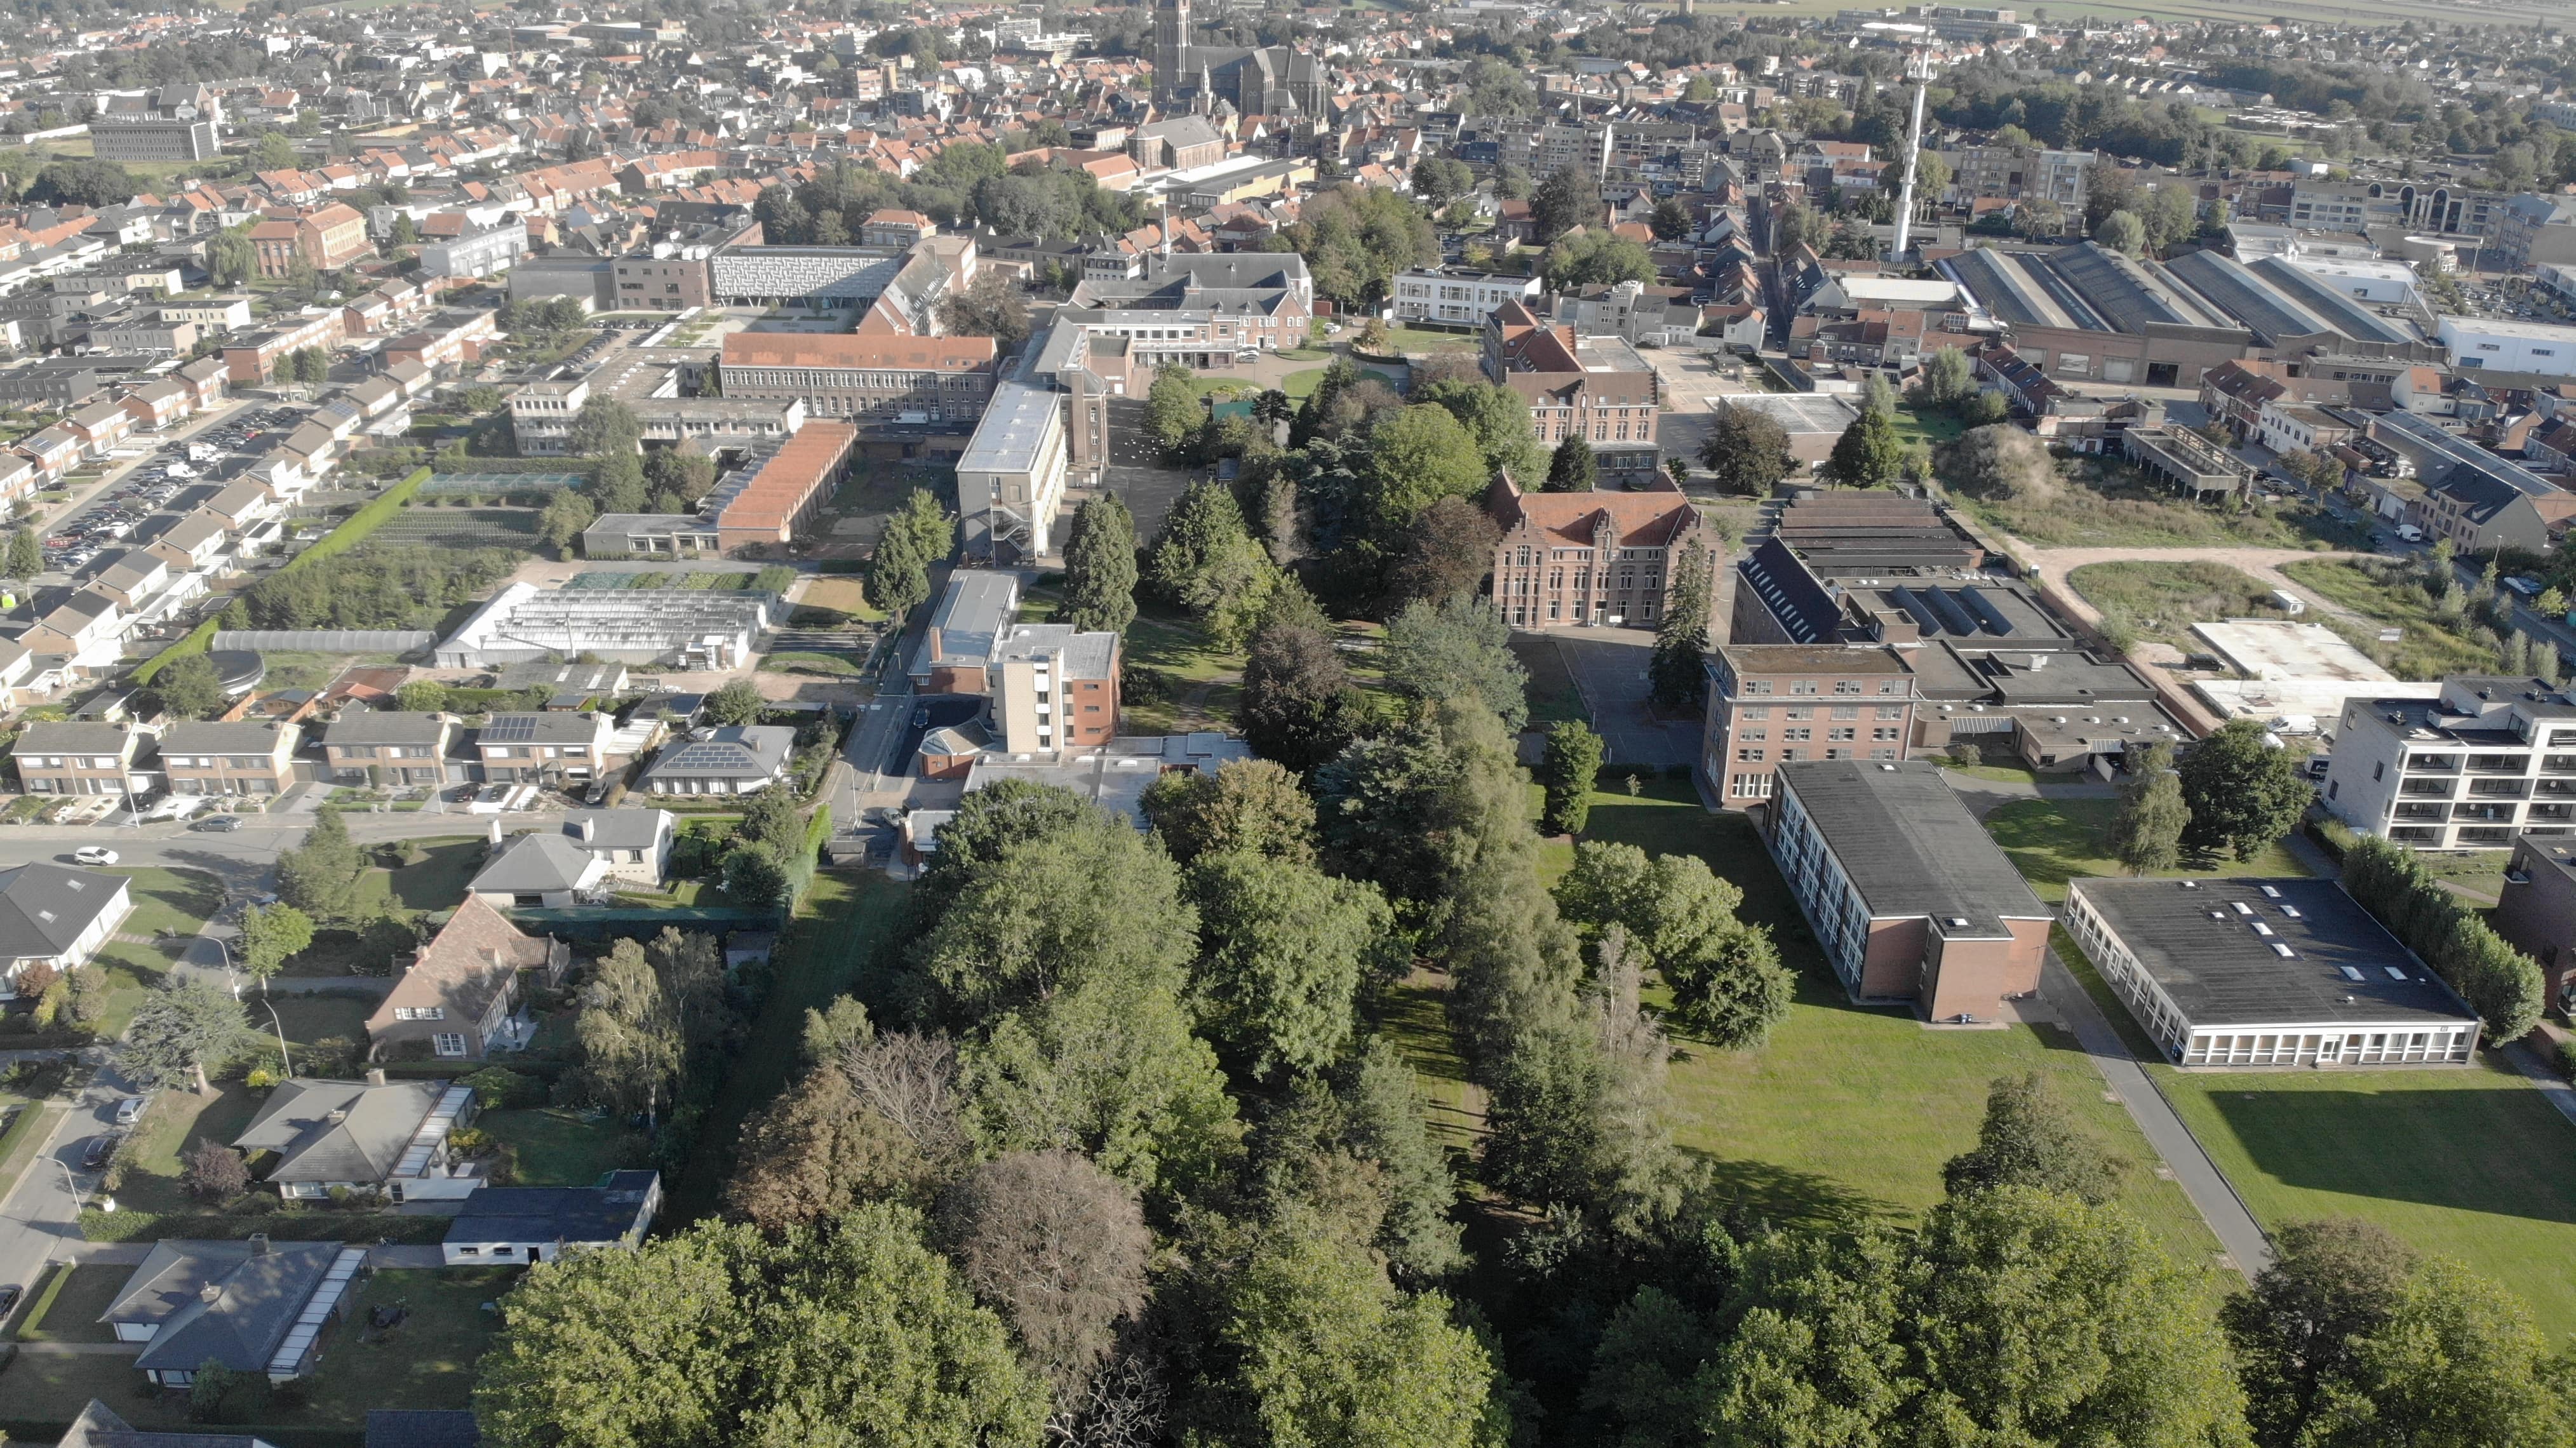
x: 255, y: 1297
x: 1637, y: 520
x: 44, y: 908
x: 736, y: 751
x: 369, y: 727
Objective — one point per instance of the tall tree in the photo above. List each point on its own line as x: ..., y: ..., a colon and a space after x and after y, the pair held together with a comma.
x: 1100, y: 567
x: 1566, y: 199
x: 1299, y: 704
x: 848, y: 1331
x: 2331, y: 1287
x: 1059, y: 1248
x: 1868, y: 454
x: 1172, y: 409
x: 179, y: 1032
x: 1748, y: 450
x: 919, y: 535
x: 2146, y: 834
x: 2028, y: 1139
x: 1285, y: 951
x: 26, y: 555
x: 1250, y: 806
x: 1447, y: 555
x: 189, y: 688
x: 1731, y: 991
x: 629, y: 1037
x: 1677, y: 672
x: 2243, y: 793
x: 1495, y: 416
x: 271, y: 936
x: 1416, y: 457
x: 320, y: 876
x: 1461, y: 651
x: 819, y: 1150
x: 990, y: 306
x: 1205, y: 559
x: 1572, y: 468
x: 1567, y: 768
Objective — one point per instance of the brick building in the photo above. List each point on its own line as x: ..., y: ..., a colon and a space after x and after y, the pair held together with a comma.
x: 872, y: 378
x: 1774, y: 704
x: 1601, y: 558
x: 244, y: 758
x: 329, y: 237
x: 1595, y: 388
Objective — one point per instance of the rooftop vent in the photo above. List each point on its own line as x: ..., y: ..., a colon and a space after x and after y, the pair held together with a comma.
x: 1956, y: 922
x: 1887, y: 769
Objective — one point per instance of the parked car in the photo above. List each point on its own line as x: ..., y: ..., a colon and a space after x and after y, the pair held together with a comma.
x: 94, y: 855
x: 218, y: 824
x: 9, y: 1295
x: 130, y: 1110
x: 99, y: 1149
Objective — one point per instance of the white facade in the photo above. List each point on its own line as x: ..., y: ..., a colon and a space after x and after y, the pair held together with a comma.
x: 1011, y: 478
x: 1459, y: 298
x: 2459, y: 772
x: 2500, y: 346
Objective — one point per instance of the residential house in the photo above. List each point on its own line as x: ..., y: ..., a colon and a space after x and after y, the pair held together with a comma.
x: 76, y: 758
x: 193, y: 542
x: 370, y: 1136
x: 505, y: 1225
x: 56, y: 917
x: 250, y: 757
x: 731, y: 759
x: 87, y: 628
x: 100, y: 426
x: 388, y: 746
x: 243, y: 1306
x: 455, y: 998
x: 99, y: 1427
x: 552, y: 748
x: 536, y: 871
x: 2536, y: 911
x: 634, y: 844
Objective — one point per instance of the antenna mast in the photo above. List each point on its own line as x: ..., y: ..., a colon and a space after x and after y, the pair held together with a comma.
x: 1913, y: 148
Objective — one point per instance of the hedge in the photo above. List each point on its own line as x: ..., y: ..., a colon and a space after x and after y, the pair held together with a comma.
x: 348, y: 535
x: 2503, y: 985
x: 317, y: 1225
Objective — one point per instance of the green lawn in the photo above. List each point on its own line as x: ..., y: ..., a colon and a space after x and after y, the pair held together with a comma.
x: 1415, y: 339
x: 1414, y: 1018
x: 69, y: 1307
x: 1202, y: 674
x: 2052, y: 841
x: 826, y: 946
x: 176, y: 1123
x: 1931, y: 429
x: 426, y: 1362
x: 1301, y: 385
x: 1848, y: 1113
x: 1551, y: 693
x: 2161, y: 601
x: 436, y: 882
x: 2387, y: 592
x: 556, y: 1148
x: 2470, y: 1163
x: 169, y: 907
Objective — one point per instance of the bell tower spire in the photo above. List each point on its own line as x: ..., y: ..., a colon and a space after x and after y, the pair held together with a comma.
x: 1171, y: 49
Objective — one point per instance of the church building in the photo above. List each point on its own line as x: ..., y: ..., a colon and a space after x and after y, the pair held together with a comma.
x: 1270, y: 80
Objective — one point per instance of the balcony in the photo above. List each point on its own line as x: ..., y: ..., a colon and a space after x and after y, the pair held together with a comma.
x: 2499, y: 788
x: 2499, y: 764
x: 2558, y: 764
x: 2422, y: 811
x: 2432, y: 764
x: 2558, y: 810
x: 2427, y: 788
x: 2487, y: 813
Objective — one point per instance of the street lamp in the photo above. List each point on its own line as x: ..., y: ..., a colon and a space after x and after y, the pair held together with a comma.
x: 79, y: 1202
x: 281, y: 1036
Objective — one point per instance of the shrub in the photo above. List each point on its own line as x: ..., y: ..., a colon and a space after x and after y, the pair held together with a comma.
x: 497, y: 1087
x: 2567, y: 1057
x: 215, y: 1172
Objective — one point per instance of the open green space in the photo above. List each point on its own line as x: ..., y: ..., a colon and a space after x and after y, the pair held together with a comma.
x: 2052, y: 841
x: 1203, y: 677
x: 1926, y: 429
x: 2161, y: 601
x: 2472, y: 1163
x: 71, y: 1302
x: 1415, y: 339
x: 1551, y: 693
x: 552, y: 1147
x: 2109, y: 504
x: 827, y: 944
x: 434, y: 881
x: 2435, y: 642
x: 173, y: 1127
x: 1848, y: 1113
x: 169, y: 907
x: 30, y: 1121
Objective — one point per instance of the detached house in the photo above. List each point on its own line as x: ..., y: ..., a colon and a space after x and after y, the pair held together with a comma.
x: 734, y: 759
x: 634, y: 844
x: 362, y: 1136
x: 455, y: 998
x: 234, y: 1304
x: 56, y: 917
x: 536, y: 871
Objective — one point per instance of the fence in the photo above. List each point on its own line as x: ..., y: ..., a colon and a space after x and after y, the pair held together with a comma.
x: 327, y: 640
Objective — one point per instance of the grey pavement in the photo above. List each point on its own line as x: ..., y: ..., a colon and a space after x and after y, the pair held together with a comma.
x: 2248, y: 1250
x: 40, y: 1216
x: 1609, y: 668
x: 2553, y: 1089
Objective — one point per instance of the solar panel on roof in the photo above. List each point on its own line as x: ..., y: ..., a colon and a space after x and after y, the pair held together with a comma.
x: 509, y: 729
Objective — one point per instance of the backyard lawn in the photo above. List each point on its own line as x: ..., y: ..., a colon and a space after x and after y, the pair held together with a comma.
x: 425, y: 1362
x: 435, y: 882
x: 2052, y: 841
x: 2433, y: 645
x: 169, y: 907
x: 1203, y: 676
x: 68, y: 1306
x: 2473, y: 1164
x: 2161, y: 601
x: 558, y: 1148
x: 1848, y: 1113
x: 1415, y: 339
x: 176, y: 1123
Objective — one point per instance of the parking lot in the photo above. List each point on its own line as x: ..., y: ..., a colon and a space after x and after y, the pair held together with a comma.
x: 99, y: 526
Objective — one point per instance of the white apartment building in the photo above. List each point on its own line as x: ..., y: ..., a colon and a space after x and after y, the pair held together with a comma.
x: 1448, y: 296
x: 2491, y: 758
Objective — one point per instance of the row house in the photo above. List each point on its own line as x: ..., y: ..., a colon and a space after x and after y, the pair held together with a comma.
x: 76, y: 758
x: 248, y: 757
x: 551, y: 748
x: 386, y: 308
x: 156, y: 405
x: 388, y: 746
x: 100, y: 426
x: 192, y: 543
x: 55, y: 450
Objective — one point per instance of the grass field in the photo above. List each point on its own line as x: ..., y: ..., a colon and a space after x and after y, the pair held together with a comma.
x: 1848, y: 1113
x: 2110, y: 505
x: 176, y: 1123
x: 2433, y: 646
x: 2052, y: 841
x: 1203, y: 675
x: 1415, y: 339
x: 557, y: 1148
x: 1931, y: 429
x: 2472, y: 1164
x: 2161, y: 601
x: 169, y: 906
x: 68, y: 1308
x: 841, y: 594
x: 437, y: 882
x: 826, y: 946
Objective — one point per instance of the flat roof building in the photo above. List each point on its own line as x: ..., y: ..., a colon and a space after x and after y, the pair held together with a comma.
x: 1907, y: 893
x: 2247, y: 972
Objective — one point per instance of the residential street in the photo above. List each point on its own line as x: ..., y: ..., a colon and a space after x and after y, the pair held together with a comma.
x: 40, y: 1219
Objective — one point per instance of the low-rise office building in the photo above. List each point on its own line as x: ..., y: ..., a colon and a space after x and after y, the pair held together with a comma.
x: 1908, y: 895
x: 2248, y: 972
x: 1771, y: 705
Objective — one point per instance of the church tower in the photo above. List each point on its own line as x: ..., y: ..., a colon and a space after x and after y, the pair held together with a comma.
x: 1171, y: 49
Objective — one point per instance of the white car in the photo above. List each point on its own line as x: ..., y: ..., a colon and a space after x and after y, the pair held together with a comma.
x: 94, y: 855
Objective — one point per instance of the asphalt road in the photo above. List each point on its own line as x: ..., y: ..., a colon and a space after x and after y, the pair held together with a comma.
x: 40, y: 1217
x: 1609, y: 667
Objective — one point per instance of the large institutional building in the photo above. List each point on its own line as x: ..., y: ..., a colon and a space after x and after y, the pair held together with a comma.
x: 1268, y: 80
